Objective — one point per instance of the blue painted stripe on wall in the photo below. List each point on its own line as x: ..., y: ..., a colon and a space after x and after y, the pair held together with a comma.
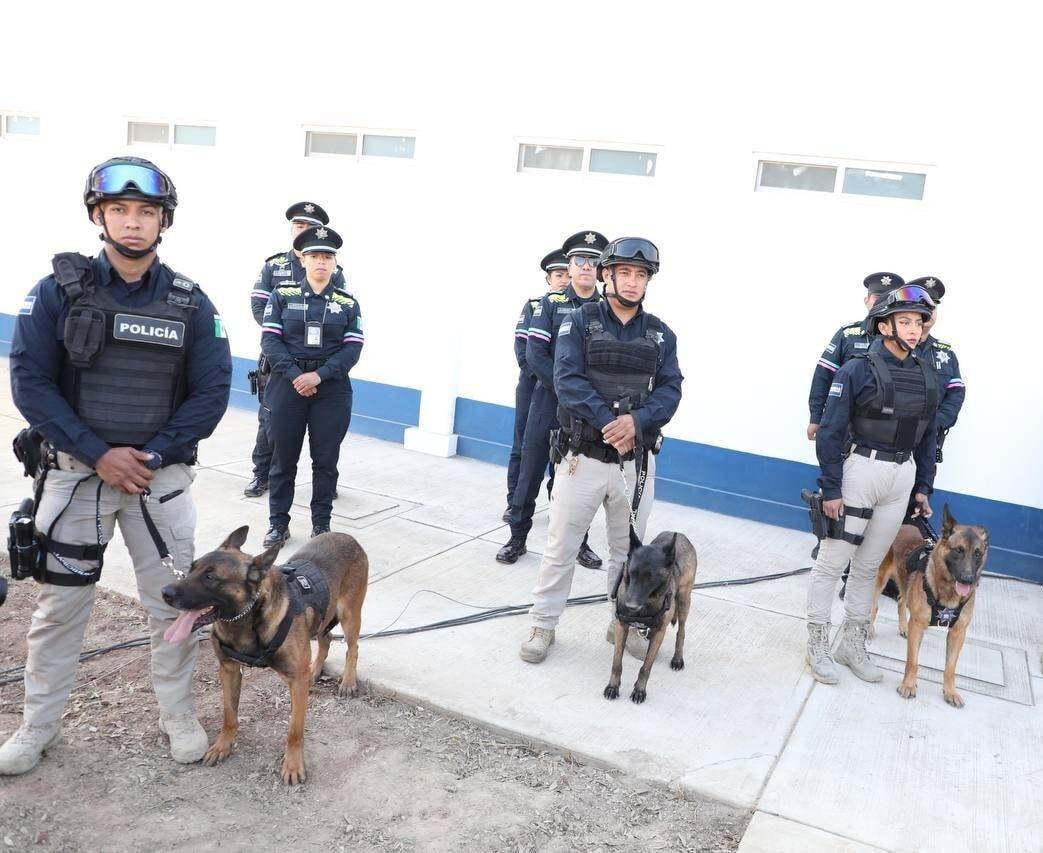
x: 763, y: 488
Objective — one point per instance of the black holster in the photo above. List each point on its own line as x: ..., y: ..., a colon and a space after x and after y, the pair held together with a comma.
x: 942, y: 433
x: 27, y: 447
x: 825, y: 527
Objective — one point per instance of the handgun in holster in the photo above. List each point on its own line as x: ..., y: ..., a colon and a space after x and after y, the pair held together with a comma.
x: 825, y: 527
x: 942, y: 433
x: 558, y: 445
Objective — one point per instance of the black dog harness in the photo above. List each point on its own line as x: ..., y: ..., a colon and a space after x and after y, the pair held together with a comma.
x: 306, y: 587
x: 918, y: 561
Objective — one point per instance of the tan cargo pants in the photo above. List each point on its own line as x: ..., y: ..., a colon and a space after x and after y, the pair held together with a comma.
x: 885, y: 487
x: 56, y: 633
x: 581, y: 485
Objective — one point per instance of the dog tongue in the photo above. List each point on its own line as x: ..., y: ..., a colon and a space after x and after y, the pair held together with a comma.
x: 182, y: 627
x: 963, y: 589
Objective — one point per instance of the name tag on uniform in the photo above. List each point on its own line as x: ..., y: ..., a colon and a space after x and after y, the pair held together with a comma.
x: 862, y: 345
x: 313, y: 334
x: 281, y: 272
x: 296, y: 306
x: 148, y: 330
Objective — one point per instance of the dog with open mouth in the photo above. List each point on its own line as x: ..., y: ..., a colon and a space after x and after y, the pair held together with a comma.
x: 938, y: 583
x: 266, y: 616
x: 654, y: 591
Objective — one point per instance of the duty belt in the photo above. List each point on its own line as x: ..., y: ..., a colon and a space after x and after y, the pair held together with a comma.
x: 882, y: 455
x: 309, y: 364
x: 599, y: 450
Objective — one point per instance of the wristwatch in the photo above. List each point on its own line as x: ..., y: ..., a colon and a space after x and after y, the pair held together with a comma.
x: 155, y: 463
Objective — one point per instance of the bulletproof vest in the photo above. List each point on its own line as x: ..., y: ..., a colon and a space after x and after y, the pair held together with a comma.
x: 124, y: 369
x: 903, y: 407
x: 619, y: 370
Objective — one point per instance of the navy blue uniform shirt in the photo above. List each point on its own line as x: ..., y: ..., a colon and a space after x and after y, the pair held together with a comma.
x: 951, y: 390
x: 38, y: 352
x: 847, y: 342
x: 544, y: 327
x: 577, y: 395
x: 283, y: 332
x: 279, y: 270
x: 521, y: 334
x: 854, y: 386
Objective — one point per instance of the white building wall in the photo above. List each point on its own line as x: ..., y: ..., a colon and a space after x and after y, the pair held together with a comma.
x: 442, y: 250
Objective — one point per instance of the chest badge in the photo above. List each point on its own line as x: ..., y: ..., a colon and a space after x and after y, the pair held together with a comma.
x: 943, y: 358
x: 334, y: 308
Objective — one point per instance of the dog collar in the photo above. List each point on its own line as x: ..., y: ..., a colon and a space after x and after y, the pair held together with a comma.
x: 239, y: 616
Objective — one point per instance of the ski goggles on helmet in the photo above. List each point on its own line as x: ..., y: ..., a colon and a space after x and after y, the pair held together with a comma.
x: 116, y: 178
x: 910, y: 293
x: 636, y: 249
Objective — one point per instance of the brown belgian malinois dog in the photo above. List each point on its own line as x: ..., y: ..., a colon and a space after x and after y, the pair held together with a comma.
x: 267, y: 616
x: 937, y: 586
x: 655, y: 591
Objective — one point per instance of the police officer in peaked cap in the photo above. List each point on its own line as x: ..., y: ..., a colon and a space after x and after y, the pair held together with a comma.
x: 618, y: 384
x: 581, y: 250
x: 876, y: 445
x: 312, y: 337
x: 555, y: 268
x: 123, y: 366
x: 280, y: 268
x: 849, y: 340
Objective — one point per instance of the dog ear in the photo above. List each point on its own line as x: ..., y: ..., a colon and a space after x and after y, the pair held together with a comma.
x: 259, y: 565
x: 948, y: 522
x: 235, y: 539
x: 635, y: 543
x: 670, y: 551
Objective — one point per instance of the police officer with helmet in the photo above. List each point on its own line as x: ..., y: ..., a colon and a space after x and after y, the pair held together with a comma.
x: 280, y: 268
x: 123, y: 366
x: 312, y: 337
x: 582, y: 250
x: 875, y: 446
x: 618, y: 384
x: 848, y: 341
x: 555, y: 267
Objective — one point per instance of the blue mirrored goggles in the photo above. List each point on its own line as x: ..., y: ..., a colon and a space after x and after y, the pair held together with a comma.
x: 909, y: 293
x: 115, y: 179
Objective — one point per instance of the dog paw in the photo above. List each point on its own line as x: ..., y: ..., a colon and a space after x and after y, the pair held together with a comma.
x: 218, y: 752
x: 348, y: 691
x: 903, y: 632
x: 611, y: 692
x: 293, y: 770
x: 677, y: 663
x: 637, y: 696
x: 954, y: 699
x: 906, y: 691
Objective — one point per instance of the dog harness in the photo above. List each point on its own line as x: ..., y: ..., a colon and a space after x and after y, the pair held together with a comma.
x: 917, y: 562
x: 306, y: 587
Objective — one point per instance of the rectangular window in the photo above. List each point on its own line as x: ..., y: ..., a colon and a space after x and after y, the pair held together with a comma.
x: 622, y: 162
x: 22, y: 125
x: 796, y: 176
x: 330, y: 143
x: 883, y: 183
x: 549, y: 157
x: 374, y: 145
x: 194, y: 134
x: 147, y: 132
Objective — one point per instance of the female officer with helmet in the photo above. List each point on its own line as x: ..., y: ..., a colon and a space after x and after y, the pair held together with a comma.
x: 312, y: 336
x: 876, y: 444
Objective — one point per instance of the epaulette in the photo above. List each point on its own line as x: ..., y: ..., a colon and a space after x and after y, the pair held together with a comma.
x: 278, y: 259
x: 557, y: 297
x: 342, y: 297
x: 853, y: 329
x: 941, y: 344
x: 288, y: 291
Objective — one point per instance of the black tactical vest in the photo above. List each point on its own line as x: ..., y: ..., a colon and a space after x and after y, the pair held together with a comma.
x: 619, y: 370
x: 903, y: 407
x: 124, y: 370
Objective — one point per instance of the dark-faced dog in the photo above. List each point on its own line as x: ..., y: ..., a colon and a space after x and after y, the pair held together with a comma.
x: 247, y: 598
x: 655, y: 591
x: 947, y: 586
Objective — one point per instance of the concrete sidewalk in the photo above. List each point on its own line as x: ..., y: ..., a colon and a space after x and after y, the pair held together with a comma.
x: 850, y: 767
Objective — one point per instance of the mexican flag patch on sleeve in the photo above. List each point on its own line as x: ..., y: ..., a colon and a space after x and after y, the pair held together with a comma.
x: 219, y: 327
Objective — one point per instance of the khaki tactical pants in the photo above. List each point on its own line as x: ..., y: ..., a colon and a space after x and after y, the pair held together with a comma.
x: 581, y: 485
x: 56, y: 633
x: 884, y: 486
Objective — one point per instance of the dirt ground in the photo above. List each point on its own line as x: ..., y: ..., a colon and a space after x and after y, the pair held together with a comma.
x: 382, y: 775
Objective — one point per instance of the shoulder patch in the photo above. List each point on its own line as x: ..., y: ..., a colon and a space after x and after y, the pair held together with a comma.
x: 566, y: 327
x: 836, y: 389
x: 557, y: 297
x: 288, y: 291
x: 278, y: 260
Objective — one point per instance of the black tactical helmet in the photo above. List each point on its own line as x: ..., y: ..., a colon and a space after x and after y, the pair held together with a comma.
x: 630, y: 250
x: 907, y: 298
x: 130, y: 177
